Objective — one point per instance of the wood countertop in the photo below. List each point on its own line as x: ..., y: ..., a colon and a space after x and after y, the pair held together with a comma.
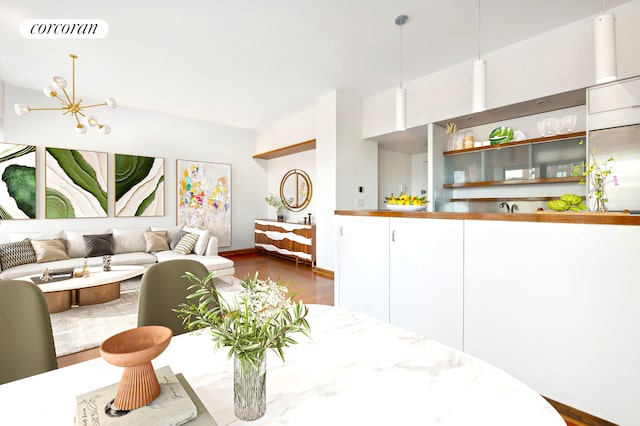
x: 550, y: 217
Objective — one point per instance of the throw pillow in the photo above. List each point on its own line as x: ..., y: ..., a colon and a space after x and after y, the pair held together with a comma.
x: 15, y: 254
x: 21, y: 236
x: 187, y: 243
x: 75, y: 241
x: 98, y: 245
x: 156, y: 241
x: 49, y: 250
x: 172, y: 231
x: 174, y: 242
x: 203, y: 239
x: 129, y: 240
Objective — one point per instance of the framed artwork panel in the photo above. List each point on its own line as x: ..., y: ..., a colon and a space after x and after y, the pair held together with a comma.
x: 18, y: 184
x: 139, y: 186
x: 75, y: 183
x: 204, y: 198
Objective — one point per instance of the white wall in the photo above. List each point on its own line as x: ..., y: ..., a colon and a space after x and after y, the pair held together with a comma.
x: 558, y: 61
x: 394, y: 170
x: 140, y: 132
x: 325, y: 189
x: 291, y: 130
x: 356, y: 158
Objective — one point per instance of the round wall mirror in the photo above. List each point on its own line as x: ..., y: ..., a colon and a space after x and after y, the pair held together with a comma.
x: 295, y: 190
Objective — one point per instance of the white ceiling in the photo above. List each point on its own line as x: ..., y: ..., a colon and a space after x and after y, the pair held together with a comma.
x: 249, y: 63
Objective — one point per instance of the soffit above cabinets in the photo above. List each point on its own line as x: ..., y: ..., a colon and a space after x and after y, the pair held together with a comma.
x: 535, y: 106
x: 410, y: 141
x: 414, y: 140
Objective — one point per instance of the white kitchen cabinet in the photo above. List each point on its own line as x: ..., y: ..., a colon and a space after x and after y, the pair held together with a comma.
x: 614, y: 104
x: 426, y: 278
x: 362, y: 280
x: 556, y: 305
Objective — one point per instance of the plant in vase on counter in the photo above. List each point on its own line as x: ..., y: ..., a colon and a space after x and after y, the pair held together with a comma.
x: 599, y: 174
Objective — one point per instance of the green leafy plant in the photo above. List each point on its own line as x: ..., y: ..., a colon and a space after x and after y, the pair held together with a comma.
x: 566, y: 202
x: 275, y: 202
x: 264, y: 319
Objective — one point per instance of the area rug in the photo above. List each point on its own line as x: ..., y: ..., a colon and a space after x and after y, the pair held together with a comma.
x: 86, y: 327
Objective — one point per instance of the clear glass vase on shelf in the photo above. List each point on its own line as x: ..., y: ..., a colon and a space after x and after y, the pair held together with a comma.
x: 249, y: 388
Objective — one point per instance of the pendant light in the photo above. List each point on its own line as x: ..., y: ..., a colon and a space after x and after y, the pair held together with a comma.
x: 604, y: 31
x: 401, y: 93
x: 479, y: 83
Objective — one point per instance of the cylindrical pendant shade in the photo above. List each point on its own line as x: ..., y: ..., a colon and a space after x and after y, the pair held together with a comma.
x: 604, y: 31
x: 401, y: 109
x: 479, y: 94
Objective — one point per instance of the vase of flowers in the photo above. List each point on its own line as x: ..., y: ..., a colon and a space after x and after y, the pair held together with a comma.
x: 264, y: 319
x: 278, y: 204
x: 599, y: 174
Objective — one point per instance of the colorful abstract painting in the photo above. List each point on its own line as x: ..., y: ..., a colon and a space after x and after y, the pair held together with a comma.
x: 18, y: 186
x: 204, y: 198
x: 75, y: 183
x: 139, y: 186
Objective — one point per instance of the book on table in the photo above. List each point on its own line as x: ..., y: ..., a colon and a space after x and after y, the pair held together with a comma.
x: 177, y: 404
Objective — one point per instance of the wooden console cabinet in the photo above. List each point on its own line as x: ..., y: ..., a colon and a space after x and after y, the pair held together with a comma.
x: 294, y: 240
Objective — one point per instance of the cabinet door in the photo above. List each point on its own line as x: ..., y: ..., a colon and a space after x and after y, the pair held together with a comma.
x: 426, y: 287
x: 362, y: 282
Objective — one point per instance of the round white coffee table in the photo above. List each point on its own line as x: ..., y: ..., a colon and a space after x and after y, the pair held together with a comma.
x: 97, y: 287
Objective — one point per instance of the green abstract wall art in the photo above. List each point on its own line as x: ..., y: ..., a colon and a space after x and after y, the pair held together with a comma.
x: 18, y: 184
x: 139, y: 186
x: 75, y: 183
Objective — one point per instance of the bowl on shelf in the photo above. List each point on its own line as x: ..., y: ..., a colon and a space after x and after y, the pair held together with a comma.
x: 405, y: 207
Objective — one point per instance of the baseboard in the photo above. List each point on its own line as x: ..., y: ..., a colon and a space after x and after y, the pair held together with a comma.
x: 323, y: 272
x: 240, y: 252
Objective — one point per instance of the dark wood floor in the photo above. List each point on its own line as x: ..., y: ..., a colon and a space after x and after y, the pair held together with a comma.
x: 310, y: 287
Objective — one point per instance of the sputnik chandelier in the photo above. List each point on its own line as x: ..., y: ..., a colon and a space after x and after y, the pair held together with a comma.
x: 69, y: 103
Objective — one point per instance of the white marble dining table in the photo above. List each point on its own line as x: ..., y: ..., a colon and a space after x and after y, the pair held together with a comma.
x: 355, y: 370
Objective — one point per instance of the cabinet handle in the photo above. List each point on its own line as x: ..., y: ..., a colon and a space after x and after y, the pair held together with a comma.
x: 341, y: 230
x: 393, y: 236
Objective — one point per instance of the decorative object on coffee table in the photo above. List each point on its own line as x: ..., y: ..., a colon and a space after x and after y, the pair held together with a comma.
x: 106, y: 263
x: 265, y: 319
x: 134, y: 349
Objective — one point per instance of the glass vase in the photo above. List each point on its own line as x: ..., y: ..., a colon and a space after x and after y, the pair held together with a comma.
x: 249, y: 388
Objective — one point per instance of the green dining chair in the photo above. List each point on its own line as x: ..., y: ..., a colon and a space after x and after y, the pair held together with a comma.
x: 26, y: 338
x: 162, y: 289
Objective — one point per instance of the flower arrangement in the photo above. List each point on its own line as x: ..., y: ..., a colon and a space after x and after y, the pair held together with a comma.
x: 265, y: 317
x: 599, y: 175
x: 275, y: 202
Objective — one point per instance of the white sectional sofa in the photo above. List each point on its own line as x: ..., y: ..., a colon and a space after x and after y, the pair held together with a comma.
x: 129, y: 246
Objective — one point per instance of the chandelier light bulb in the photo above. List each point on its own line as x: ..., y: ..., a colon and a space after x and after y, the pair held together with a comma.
x: 91, y: 120
x: 81, y: 129
x: 59, y: 82
x: 50, y: 92
x: 21, y: 109
x: 111, y: 103
x: 104, y: 129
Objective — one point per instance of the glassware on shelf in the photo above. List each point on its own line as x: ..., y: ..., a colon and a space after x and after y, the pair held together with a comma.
x: 557, y: 125
x: 569, y: 122
x: 541, y: 127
